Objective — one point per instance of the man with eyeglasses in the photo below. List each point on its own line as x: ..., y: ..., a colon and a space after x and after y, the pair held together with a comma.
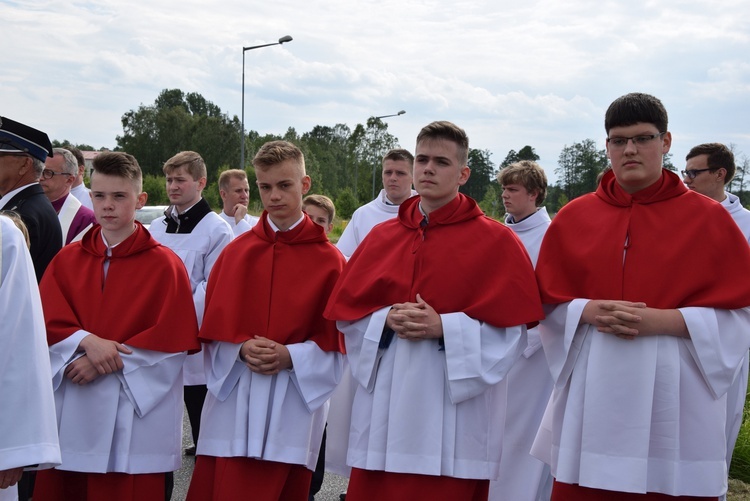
x: 710, y: 167
x: 641, y: 350
x: 57, y: 179
x: 23, y: 151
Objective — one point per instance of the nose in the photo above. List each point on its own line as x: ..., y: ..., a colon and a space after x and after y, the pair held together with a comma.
x: 630, y: 146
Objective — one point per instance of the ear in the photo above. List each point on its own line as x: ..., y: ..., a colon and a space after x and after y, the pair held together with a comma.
x: 464, y: 175
x: 667, y: 144
x: 202, y: 183
x: 722, y: 172
x: 142, y: 199
x: 306, y: 184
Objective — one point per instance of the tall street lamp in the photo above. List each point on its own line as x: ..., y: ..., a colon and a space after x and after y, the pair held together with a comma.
x: 282, y: 40
x: 374, y: 167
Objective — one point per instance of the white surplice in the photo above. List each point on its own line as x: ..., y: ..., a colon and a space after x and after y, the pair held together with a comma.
x: 275, y: 418
x: 420, y: 408
x: 198, y: 250
x: 641, y: 416
x: 242, y: 226
x: 522, y: 476
x: 28, y: 430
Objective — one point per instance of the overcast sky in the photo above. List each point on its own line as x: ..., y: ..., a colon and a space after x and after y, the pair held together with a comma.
x: 536, y: 72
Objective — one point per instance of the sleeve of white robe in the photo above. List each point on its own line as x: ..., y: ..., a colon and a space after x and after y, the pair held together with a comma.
x: 27, y: 415
x: 477, y: 355
x: 719, y: 340
x: 562, y: 350
x: 218, y: 239
x: 316, y: 372
x: 148, y: 376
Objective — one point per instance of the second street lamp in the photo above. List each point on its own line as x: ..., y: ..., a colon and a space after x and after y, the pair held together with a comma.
x: 282, y: 40
x: 374, y: 167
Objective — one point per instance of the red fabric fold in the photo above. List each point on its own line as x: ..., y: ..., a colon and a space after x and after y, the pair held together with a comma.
x: 275, y: 285
x: 146, y: 300
x: 664, y: 245
x: 462, y: 261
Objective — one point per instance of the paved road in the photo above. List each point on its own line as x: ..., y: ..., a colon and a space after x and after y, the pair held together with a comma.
x: 333, y: 485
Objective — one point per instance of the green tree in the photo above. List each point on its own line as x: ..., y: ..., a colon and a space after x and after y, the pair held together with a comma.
x: 176, y: 122
x: 525, y: 153
x: 482, y: 174
x: 578, y: 168
x: 156, y: 187
x: 490, y: 204
x: 346, y: 204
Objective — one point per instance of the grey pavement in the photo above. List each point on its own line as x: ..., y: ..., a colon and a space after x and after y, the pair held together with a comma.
x: 333, y: 485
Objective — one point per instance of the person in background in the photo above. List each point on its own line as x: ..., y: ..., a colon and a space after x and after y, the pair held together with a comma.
x: 710, y: 168
x: 23, y: 151
x: 56, y: 181
x: 79, y: 189
x: 234, y: 191
x: 522, y: 476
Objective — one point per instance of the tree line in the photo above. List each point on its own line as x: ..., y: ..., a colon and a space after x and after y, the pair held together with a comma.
x: 344, y: 163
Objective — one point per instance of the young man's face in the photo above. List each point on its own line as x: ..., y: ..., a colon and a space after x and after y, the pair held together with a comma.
x: 237, y: 193
x: 319, y: 216
x: 115, y: 201
x: 709, y: 183
x: 637, y: 167
x: 184, y: 191
x: 438, y: 172
x: 397, y: 180
x: 518, y: 202
x: 281, y: 189
x: 59, y: 184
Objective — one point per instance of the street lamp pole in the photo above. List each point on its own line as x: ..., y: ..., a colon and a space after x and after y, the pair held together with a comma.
x: 374, y: 167
x: 282, y: 40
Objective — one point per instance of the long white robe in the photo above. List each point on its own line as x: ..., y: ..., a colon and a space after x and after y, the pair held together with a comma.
x: 28, y: 430
x: 426, y: 410
x: 363, y: 220
x: 737, y: 393
x: 522, y: 476
x: 198, y: 250
x: 340, y: 415
x: 129, y: 421
x: 641, y: 416
x: 242, y: 226
x: 275, y: 418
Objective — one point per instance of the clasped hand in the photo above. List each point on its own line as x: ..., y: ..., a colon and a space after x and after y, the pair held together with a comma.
x: 415, y: 321
x: 264, y: 356
x: 102, y: 356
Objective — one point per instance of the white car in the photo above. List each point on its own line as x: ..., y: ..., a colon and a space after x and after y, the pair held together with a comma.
x: 148, y: 213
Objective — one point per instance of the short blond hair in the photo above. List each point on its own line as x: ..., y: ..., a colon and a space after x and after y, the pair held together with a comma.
x: 274, y: 153
x: 192, y: 161
x: 323, y: 202
x: 528, y: 174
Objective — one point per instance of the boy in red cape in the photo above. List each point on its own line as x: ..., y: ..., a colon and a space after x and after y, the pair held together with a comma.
x: 120, y: 319
x: 642, y: 348
x: 434, y: 306
x: 274, y: 359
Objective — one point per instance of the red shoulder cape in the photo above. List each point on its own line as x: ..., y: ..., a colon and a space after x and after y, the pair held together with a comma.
x: 275, y: 285
x: 683, y: 249
x: 146, y: 300
x: 461, y: 261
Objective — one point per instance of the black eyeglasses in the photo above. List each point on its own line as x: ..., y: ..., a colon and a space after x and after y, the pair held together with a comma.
x: 49, y: 174
x: 692, y: 173
x: 639, y: 140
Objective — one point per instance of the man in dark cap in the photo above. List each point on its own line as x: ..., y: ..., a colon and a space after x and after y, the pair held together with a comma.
x: 23, y: 151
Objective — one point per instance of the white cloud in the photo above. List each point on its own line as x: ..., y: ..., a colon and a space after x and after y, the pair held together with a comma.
x: 540, y: 73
